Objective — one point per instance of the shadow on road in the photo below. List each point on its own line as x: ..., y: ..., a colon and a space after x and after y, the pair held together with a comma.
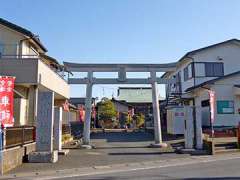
x: 123, y: 147
x: 141, y: 153
x: 123, y: 136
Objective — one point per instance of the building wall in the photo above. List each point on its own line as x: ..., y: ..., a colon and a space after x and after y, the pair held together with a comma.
x: 120, y: 107
x: 11, y: 39
x: 223, y: 91
x: 33, y: 72
x: 20, y: 111
x: 52, y: 81
x: 229, y: 54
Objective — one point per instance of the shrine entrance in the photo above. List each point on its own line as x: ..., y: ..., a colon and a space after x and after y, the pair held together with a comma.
x: 121, y: 69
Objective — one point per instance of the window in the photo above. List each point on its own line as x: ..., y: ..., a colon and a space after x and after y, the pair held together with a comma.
x: 199, y: 69
x: 205, y: 103
x: 225, y: 107
x: 214, y: 69
x: 187, y: 71
x: 190, y: 71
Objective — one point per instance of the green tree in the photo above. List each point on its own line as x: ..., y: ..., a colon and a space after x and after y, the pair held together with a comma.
x: 106, y: 110
x: 128, y: 119
x: 140, y: 120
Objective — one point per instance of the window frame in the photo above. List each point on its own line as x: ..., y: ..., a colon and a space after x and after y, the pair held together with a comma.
x: 204, y: 63
x: 186, y: 73
x: 214, y: 74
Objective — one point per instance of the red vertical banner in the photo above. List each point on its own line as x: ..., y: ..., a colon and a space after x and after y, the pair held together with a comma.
x: 212, y: 105
x: 94, y: 112
x: 66, y: 106
x: 6, y: 101
x: 81, y: 113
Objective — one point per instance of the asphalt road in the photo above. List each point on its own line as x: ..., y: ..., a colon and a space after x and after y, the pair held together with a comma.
x: 217, y: 170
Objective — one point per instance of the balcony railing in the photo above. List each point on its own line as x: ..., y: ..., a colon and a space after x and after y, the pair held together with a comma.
x: 33, y: 56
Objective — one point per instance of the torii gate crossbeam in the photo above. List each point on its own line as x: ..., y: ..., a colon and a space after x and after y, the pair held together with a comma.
x: 121, y: 69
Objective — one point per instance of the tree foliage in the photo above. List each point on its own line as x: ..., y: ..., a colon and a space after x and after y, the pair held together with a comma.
x: 106, y: 110
x: 139, y: 120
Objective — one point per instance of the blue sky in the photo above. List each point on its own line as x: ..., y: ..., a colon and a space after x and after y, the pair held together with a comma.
x: 124, y: 31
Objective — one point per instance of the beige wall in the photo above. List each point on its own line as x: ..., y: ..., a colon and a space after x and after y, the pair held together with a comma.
x: 20, y: 111
x: 8, y: 36
x: 12, y: 42
x: 34, y: 72
x: 52, y: 81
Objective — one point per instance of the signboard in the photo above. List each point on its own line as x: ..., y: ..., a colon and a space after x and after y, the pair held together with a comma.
x: 6, y: 101
x: 179, y: 112
x: 212, y: 105
x: 225, y: 107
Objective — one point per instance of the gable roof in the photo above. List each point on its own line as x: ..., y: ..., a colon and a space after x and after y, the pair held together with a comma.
x: 208, y: 47
x: 212, y: 81
x: 202, y: 49
x: 23, y: 31
x: 121, y: 102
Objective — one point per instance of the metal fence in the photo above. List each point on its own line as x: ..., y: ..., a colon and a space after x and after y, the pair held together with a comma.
x: 18, y: 136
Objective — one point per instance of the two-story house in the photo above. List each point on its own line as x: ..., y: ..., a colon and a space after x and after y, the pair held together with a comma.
x: 23, y: 56
x: 215, y: 67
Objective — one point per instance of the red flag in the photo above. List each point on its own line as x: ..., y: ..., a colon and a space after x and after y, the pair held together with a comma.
x: 81, y: 113
x: 212, y: 104
x: 66, y: 106
x: 6, y: 101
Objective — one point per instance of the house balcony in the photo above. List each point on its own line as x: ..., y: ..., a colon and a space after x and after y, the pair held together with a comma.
x: 31, y: 70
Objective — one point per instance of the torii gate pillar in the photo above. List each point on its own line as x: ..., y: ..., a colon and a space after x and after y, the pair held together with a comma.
x: 88, y: 110
x: 156, y: 113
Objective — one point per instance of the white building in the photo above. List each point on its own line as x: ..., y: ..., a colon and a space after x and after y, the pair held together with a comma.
x: 214, y: 67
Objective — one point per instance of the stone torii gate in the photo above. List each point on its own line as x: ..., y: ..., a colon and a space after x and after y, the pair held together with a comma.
x: 121, y: 69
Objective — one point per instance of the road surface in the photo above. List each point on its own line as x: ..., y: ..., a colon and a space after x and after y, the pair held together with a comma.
x: 217, y: 170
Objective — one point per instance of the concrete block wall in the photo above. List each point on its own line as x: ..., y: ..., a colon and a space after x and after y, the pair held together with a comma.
x: 13, y: 157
